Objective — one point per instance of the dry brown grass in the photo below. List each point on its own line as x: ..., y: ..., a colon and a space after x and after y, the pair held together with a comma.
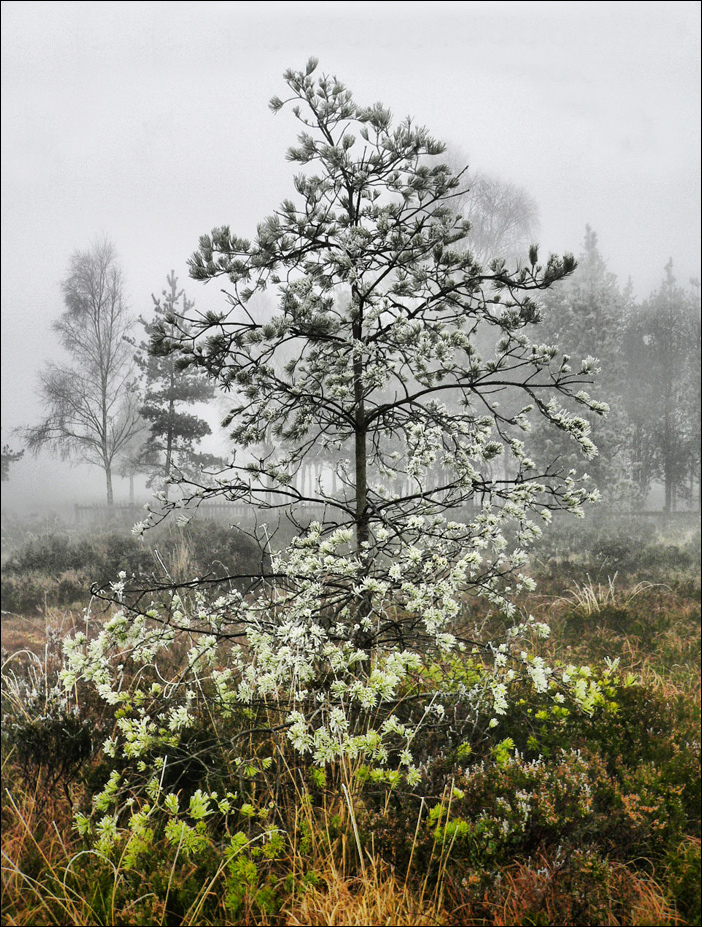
x: 38, y: 846
x: 376, y: 897
x: 20, y: 633
x: 23, y: 632
x: 40, y: 860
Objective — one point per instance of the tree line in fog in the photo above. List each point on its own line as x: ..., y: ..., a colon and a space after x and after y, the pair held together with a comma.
x: 124, y: 401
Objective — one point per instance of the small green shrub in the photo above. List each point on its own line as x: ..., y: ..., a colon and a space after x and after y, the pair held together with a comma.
x: 52, y: 747
x: 683, y: 879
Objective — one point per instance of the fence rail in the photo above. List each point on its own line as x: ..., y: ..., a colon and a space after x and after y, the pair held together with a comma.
x: 215, y: 510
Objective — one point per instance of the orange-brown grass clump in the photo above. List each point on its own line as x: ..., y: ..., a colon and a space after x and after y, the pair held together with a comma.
x: 579, y: 890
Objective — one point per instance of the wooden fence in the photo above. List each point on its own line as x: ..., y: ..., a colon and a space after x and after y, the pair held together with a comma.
x: 218, y: 510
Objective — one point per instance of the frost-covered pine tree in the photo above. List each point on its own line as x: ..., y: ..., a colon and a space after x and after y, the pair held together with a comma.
x: 373, y: 355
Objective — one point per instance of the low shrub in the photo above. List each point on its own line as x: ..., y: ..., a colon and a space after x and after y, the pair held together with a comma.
x: 58, y: 567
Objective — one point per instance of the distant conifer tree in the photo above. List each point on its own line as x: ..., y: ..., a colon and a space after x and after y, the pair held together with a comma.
x: 9, y: 456
x: 171, y: 448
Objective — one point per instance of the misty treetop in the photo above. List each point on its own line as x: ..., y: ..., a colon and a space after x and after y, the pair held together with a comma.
x: 586, y: 312
x: 661, y: 390
x: 503, y: 217
x: 648, y: 355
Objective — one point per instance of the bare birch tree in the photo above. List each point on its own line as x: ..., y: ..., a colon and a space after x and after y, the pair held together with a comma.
x: 92, y: 407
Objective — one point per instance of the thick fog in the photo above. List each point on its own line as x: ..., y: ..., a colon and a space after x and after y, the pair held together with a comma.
x: 149, y: 123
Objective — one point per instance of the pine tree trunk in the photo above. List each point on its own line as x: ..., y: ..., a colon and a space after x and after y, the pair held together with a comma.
x: 169, y: 437
x: 361, y: 462
x: 363, y: 638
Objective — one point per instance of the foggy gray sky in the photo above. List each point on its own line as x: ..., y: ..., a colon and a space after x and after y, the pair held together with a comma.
x: 149, y: 123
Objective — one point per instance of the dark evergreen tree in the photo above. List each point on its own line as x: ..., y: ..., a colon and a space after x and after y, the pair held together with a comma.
x: 9, y: 456
x: 171, y: 448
